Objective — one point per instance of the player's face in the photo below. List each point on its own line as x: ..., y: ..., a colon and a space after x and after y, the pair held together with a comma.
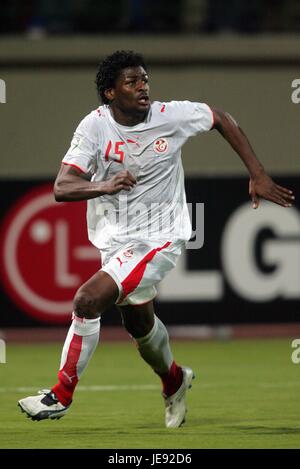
x: 131, y: 92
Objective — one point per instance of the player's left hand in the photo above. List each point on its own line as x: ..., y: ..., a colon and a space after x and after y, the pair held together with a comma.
x: 264, y: 186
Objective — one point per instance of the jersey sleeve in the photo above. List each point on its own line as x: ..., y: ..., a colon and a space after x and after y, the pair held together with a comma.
x: 83, y: 149
x: 193, y: 118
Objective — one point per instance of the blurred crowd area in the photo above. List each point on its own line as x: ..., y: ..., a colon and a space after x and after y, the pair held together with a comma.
x: 49, y: 17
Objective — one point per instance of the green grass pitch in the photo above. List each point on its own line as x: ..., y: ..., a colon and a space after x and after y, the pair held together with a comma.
x: 246, y: 395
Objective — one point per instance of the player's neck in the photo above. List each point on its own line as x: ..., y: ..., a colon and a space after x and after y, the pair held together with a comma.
x: 127, y: 119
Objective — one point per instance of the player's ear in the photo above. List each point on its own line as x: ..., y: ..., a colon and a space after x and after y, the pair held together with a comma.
x: 110, y: 94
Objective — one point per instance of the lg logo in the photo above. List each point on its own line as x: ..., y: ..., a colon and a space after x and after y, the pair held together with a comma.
x: 45, y: 254
x: 279, y: 253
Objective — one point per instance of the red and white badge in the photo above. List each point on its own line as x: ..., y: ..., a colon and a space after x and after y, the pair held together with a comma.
x: 128, y: 253
x: 160, y: 146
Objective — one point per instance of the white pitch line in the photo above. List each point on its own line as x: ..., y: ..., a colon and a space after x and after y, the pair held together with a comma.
x: 104, y: 388
x: 152, y: 387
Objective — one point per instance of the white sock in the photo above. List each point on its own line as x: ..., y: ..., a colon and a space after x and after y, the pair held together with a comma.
x: 155, y: 348
x: 89, y: 330
x: 80, y: 344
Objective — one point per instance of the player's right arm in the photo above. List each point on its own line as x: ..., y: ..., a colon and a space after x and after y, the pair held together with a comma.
x: 72, y: 185
x: 73, y: 182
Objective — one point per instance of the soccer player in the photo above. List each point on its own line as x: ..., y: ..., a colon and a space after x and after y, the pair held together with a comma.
x: 125, y: 159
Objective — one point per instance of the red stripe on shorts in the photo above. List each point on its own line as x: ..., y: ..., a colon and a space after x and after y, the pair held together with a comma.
x: 133, y: 279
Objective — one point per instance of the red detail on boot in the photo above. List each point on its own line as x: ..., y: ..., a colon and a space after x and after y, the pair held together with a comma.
x: 67, y: 376
x: 172, y: 380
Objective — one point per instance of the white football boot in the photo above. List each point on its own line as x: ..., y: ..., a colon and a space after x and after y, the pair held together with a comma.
x: 43, y: 406
x: 175, y: 404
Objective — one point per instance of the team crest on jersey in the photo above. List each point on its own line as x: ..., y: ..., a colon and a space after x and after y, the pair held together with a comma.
x: 128, y: 253
x: 160, y: 146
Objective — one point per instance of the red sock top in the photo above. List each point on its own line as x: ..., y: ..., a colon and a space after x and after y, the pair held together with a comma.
x: 172, y: 380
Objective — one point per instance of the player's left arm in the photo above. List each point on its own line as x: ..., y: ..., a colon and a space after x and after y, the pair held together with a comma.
x: 260, y: 184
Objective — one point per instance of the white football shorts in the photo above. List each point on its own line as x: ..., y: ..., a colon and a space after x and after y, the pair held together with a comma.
x: 138, y: 266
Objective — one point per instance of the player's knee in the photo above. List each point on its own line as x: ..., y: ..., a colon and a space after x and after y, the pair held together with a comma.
x: 86, y: 305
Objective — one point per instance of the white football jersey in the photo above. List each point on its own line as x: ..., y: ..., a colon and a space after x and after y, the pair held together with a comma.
x: 156, y: 207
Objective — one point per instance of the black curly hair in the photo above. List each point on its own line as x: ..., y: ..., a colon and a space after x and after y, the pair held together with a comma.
x: 109, y: 70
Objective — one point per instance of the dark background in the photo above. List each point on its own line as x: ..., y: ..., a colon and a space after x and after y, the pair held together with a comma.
x: 221, y: 197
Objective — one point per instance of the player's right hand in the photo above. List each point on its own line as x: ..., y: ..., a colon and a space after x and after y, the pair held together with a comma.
x: 123, y: 180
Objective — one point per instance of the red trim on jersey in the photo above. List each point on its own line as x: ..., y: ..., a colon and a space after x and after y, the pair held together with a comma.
x: 163, y: 108
x: 133, y: 141
x: 74, y: 166
x: 77, y: 318
x: 132, y: 280
x: 213, y: 117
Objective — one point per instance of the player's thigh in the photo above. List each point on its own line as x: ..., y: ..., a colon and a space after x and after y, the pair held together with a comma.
x: 96, y: 295
x: 138, y: 319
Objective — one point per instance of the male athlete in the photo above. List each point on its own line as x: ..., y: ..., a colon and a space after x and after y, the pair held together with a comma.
x: 125, y: 159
